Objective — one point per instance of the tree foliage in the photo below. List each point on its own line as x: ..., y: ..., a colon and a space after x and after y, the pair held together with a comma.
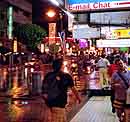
x: 53, y: 48
x: 29, y: 34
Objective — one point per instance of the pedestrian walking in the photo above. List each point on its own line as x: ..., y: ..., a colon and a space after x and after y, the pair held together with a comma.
x: 120, y: 83
x: 103, y: 65
x: 55, y: 86
x: 113, y: 68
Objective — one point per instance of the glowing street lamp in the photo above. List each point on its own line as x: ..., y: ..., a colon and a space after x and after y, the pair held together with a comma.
x: 55, y: 2
x: 62, y: 33
x: 51, y: 13
x: 52, y: 27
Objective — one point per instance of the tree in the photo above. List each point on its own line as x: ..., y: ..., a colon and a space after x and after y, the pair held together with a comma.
x: 53, y: 48
x: 30, y: 35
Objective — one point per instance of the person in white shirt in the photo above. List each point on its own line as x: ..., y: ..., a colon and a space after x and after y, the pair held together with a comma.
x: 103, y: 64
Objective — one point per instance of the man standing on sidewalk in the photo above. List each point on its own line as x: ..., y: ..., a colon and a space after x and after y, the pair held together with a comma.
x: 103, y: 64
x: 113, y: 68
x: 55, y: 86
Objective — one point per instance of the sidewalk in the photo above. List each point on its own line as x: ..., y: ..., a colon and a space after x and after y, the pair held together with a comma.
x: 97, y: 109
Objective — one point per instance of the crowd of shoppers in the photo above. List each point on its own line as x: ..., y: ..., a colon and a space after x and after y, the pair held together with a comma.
x: 114, y: 68
x: 109, y: 69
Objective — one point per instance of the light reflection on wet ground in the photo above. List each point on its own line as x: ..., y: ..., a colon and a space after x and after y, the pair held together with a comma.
x: 17, y: 77
x: 32, y: 110
x: 23, y: 111
x: 28, y: 110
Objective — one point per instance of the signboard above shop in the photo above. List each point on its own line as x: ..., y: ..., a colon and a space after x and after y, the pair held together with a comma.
x: 85, y: 32
x: 92, y: 5
x: 113, y: 43
x: 121, y: 33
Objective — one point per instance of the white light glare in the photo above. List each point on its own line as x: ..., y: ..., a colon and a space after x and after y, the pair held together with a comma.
x: 55, y: 2
x: 69, y: 14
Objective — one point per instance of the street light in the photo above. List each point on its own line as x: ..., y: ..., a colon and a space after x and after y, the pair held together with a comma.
x: 62, y: 33
x: 51, y: 13
x: 55, y: 2
x: 52, y: 26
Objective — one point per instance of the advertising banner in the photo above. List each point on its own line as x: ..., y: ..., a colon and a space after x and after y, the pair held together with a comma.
x: 121, y: 33
x: 85, y: 32
x: 52, y: 33
x: 92, y: 5
x: 113, y: 43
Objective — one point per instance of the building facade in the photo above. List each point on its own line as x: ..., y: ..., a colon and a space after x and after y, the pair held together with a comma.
x: 21, y: 13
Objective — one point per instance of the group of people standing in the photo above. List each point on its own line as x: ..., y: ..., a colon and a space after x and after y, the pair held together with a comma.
x: 117, y: 76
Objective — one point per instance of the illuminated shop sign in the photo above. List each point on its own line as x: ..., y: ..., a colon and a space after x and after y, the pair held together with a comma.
x: 113, y: 43
x: 91, y: 5
x: 121, y: 33
x: 84, y: 31
x: 52, y: 32
x: 10, y: 22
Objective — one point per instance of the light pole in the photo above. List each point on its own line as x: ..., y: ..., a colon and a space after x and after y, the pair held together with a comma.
x: 62, y: 33
x: 51, y: 26
x: 61, y: 21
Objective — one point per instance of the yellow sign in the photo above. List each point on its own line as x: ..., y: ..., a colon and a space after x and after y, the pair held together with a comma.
x: 121, y: 33
x: 15, y: 45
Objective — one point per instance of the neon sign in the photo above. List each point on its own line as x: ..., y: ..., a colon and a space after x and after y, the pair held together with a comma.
x: 10, y: 21
x: 91, y: 5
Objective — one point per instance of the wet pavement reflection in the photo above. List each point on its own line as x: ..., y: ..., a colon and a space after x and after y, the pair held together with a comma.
x: 23, y: 110
x: 27, y: 109
x: 13, y: 107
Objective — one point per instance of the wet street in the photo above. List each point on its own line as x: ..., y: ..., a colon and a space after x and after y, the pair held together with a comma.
x: 14, y: 108
x: 17, y: 105
x: 22, y: 110
x: 32, y: 109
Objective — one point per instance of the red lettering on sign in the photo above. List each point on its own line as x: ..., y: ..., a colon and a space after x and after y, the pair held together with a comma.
x: 70, y: 7
x: 79, y: 7
x: 95, y: 5
x: 101, y: 5
x: 85, y: 7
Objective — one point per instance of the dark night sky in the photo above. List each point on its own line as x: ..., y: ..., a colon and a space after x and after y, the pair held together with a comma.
x: 40, y: 8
